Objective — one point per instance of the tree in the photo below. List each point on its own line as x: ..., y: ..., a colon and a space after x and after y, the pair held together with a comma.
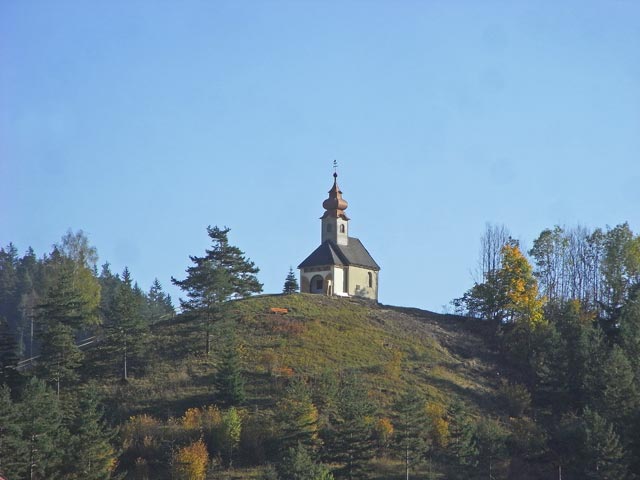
x: 490, y: 438
x: 88, y: 451
x: 411, y: 429
x: 9, y: 374
x: 63, y: 311
x: 222, y: 274
x: 297, y: 417
x: 42, y: 431
x: 76, y: 247
x: 232, y: 428
x: 126, y: 324
x: 290, y: 283
x: 462, y: 446
x: 298, y: 464
x: 351, y: 442
x: 159, y: 303
x: 12, y: 446
x: 190, y: 462
x: 590, y: 448
x: 229, y: 378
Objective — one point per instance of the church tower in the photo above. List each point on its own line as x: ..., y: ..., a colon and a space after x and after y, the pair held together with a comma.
x: 335, y: 223
x: 340, y: 265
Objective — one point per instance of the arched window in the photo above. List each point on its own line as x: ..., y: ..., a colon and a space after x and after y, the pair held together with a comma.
x: 370, y: 280
x: 342, y: 228
x: 317, y: 284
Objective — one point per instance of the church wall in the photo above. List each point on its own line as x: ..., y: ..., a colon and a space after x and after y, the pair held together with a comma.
x: 359, y: 283
x: 306, y: 274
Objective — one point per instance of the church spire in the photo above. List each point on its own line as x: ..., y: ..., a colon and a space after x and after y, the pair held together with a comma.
x: 335, y: 205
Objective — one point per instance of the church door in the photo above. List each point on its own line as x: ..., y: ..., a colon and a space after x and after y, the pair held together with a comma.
x: 317, y: 284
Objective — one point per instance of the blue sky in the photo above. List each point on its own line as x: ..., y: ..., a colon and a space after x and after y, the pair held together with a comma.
x: 143, y: 122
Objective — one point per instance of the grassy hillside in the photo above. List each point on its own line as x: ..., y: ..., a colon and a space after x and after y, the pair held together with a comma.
x: 391, y: 348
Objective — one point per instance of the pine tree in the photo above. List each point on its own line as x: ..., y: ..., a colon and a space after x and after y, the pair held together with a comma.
x: 411, y: 430
x: 229, y: 378
x: 88, y: 453
x: 42, y: 431
x: 351, y: 442
x: 12, y: 446
x: 221, y: 275
x: 298, y: 464
x: 126, y: 325
x: 297, y: 417
x: 62, y: 312
x: 603, y: 454
x: 9, y: 374
x: 290, y: 283
x: 159, y: 303
x: 490, y: 438
x: 462, y: 447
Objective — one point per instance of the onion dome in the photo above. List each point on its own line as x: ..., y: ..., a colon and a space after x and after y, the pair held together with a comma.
x: 335, y: 205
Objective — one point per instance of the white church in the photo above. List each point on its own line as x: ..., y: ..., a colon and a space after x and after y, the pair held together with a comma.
x: 340, y: 265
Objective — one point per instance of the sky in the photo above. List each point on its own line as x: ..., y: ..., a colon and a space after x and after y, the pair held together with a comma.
x: 142, y: 122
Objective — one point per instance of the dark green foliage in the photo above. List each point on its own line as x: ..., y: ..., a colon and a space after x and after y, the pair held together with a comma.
x: 229, y: 377
x: 12, y: 445
x: 159, y: 306
x: 350, y: 436
x: 515, y: 398
x: 630, y: 331
x: 491, y: 440
x: 590, y: 448
x: 411, y: 430
x: 221, y: 275
x: 42, y: 431
x: 462, y: 448
x: 290, y: 283
x: 9, y: 374
x: 88, y: 451
x: 298, y: 464
x: 297, y: 417
x: 125, y: 327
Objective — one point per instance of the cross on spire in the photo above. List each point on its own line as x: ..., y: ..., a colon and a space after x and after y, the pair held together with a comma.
x: 335, y: 167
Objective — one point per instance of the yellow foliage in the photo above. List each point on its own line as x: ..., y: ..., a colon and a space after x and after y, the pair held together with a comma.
x: 190, y: 462
x: 384, y: 430
x: 436, y: 413
x: 520, y: 287
x: 204, y: 418
x: 140, y: 430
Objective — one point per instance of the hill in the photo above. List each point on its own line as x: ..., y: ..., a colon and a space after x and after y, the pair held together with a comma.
x: 391, y: 349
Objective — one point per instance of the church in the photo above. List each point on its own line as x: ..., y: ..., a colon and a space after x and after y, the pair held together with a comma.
x: 340, y: 265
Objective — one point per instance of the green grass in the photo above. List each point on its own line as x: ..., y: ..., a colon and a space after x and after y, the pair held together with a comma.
x: 391, y: 348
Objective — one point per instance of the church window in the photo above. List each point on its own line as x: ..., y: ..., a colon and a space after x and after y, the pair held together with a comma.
x: 341, y: 228
x: 317, y: 284
x: 370, y: 280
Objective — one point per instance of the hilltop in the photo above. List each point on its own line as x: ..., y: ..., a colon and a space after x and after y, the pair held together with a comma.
x: 392, y: 349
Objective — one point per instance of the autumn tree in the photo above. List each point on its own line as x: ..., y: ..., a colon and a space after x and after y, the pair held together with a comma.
x: 190, y: 462
x: 222, y: 274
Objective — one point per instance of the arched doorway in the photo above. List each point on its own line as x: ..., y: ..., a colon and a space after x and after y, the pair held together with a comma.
x: 317, y: 284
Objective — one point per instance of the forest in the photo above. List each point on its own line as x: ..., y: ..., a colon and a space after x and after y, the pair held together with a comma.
x: 537, y: 376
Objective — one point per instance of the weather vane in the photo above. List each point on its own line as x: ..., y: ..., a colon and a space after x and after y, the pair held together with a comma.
x: 335, y: 166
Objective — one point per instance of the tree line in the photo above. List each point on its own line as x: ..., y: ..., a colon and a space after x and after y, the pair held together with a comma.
x: 567, y: 322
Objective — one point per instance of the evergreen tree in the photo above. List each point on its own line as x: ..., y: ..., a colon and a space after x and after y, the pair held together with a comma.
x: 126, y: 325
x: 462, y: 447
x: 491, y: 441
x: 159, y: 303
x: 8, y: 283
x: 12, y: 446
x: 630, y: 331
x: 351, y: 443
x: 9, y: 374
x: 411, y: 430
x: 222, y: 274
x: 290, y: 283
x: 42, y: 431
x: 297, y: 417
x: 88, y: 453
x: 298, y: 464
x: 229, y: 378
